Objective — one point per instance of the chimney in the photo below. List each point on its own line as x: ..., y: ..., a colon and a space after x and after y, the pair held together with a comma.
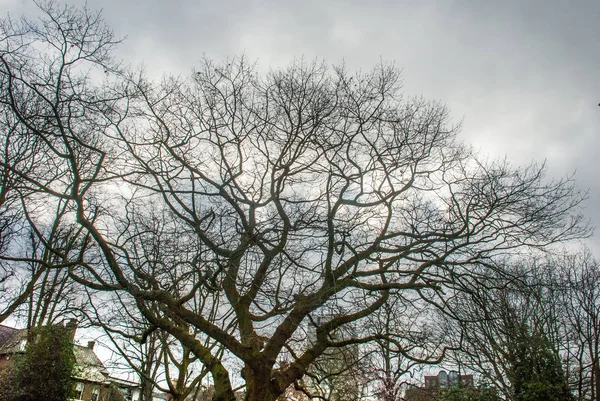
x: 91, y: 344
x: 71, y: 327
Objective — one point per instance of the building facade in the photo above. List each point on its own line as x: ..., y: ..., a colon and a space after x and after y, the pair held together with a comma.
x: 434, y: 386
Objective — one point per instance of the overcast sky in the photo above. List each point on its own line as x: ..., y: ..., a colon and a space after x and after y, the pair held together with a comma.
x: 522, y: 75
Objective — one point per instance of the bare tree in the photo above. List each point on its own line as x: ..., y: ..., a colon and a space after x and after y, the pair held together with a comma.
x: 310, y: 191
x: 578, y: 278
x: 409, y: 340
x: 515, y: 333
x: 45, y: 70
x: 137, y: 351
x: 17, y: 151
x: 34, y: 278
x: 160, y: 361
x: 302, y: 191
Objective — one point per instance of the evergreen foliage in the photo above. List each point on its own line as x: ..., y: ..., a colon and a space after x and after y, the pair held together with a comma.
x: 44, y: 371
x: 470, y: 394
x: 537, y: 373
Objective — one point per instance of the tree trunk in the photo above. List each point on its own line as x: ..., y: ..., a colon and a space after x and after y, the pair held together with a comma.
x: 259, y: 387
x: 596, y: 380
x: 146, y: 390
x: 223, y: 389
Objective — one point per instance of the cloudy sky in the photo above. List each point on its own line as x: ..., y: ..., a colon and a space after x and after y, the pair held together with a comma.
x: 522, y: 75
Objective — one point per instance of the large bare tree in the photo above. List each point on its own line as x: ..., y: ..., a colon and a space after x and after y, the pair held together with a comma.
x: 302, y: 193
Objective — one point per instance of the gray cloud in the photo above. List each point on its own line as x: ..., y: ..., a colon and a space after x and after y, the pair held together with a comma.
x: 522, y: 74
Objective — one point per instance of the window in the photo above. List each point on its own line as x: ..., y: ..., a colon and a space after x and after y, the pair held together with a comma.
x: 127, y: 393
x: 95, y: 393
x: 78, y: 392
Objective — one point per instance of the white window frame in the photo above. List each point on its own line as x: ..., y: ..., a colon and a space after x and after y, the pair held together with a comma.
x: 95, y: 393
x: 79, y: 387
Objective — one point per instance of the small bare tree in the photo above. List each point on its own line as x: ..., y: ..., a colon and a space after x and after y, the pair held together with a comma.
x: 515, y: 333
x: 579, y: 283
x: 160, y: 361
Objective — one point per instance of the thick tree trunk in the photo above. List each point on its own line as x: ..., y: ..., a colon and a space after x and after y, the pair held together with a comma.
x: 596, y: 381
x: 223, y: 389
x: 259, y: 386
x: 146, y: 390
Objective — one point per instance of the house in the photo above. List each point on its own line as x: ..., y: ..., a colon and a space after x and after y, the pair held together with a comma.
x: 445, y: 380
x: 435, y: 385
x: 92, y: 381
x: 90, y: 376
x: 11, y: 341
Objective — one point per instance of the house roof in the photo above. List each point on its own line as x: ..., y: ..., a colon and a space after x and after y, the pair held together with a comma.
x: 87, y: 356
x: 123, y: 382
x: 10, y: 338
x: 87, y: 365
x: 6, y: 333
